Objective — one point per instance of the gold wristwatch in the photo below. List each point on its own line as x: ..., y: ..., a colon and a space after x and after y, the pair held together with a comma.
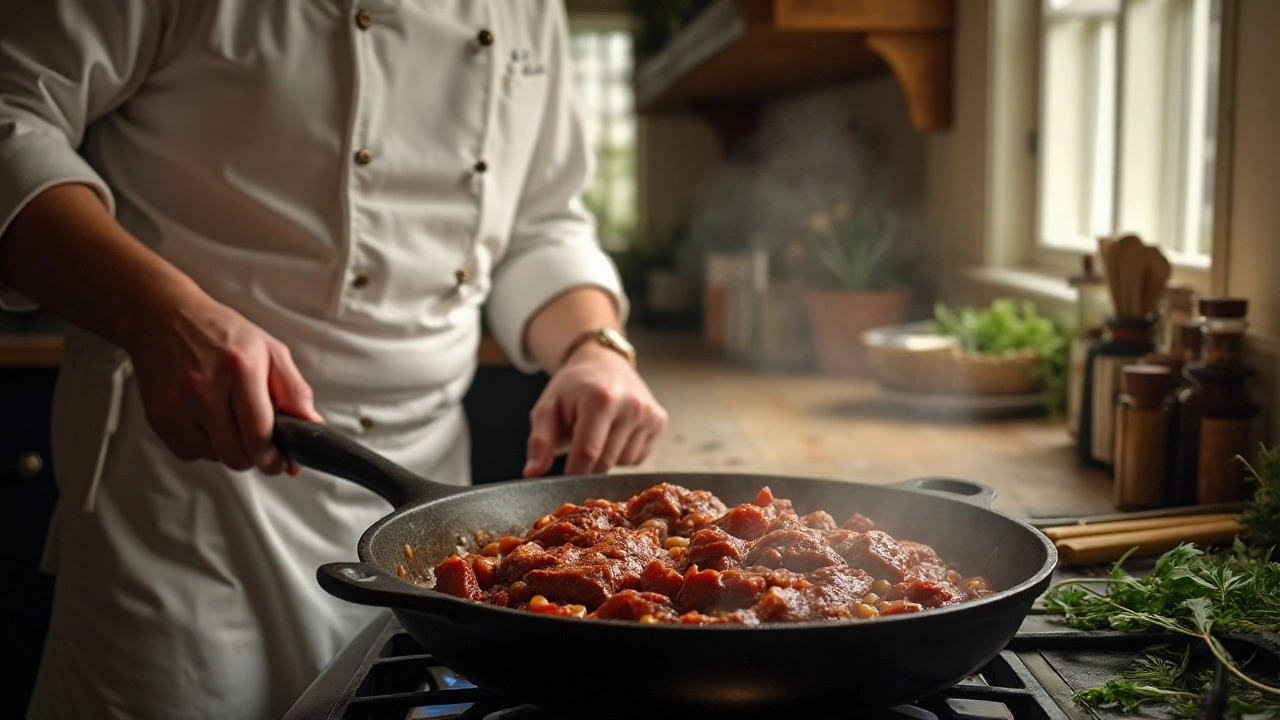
x: 605, y: 336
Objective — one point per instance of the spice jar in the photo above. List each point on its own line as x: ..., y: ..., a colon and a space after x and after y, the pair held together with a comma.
x: 1092, y: 306
x: 1126, y: 340
x: 1144, y: 423
x: 1191, y: 338
x: 1176, y: 303
x: 1223, y: 325
x: 1215, y: 425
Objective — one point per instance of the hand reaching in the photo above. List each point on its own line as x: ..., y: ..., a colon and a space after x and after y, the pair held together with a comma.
x: 598, y: 405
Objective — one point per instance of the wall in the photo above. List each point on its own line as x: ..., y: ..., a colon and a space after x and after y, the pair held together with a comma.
x: 1250, y: 260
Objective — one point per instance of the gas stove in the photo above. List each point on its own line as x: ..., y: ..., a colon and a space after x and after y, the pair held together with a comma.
x: 385, y: 675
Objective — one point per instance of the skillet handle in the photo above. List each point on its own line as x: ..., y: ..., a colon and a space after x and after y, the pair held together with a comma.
x: 974, y: 493
x: 329, y: 451
x: 364, y: 584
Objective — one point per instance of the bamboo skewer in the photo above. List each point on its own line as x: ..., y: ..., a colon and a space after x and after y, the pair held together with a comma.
x: 1092, y: 549
x: 1120, y: 526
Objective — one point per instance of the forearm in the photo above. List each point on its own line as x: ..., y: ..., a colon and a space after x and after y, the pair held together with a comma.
x: 66, y: 252
x: 563, y: 319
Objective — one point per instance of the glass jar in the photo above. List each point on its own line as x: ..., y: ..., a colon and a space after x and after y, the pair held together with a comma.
x: 1125, y: 341
x: 1215, y: 426
x: 1144, y: 424
x: 1222, y: 326
x: 1093, y: 304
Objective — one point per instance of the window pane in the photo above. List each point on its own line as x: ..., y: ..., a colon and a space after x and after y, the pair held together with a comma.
x: 602, y: 83
x: 1077, y: 127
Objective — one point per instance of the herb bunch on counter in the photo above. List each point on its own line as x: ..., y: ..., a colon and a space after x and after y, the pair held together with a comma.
x: 1196, y: 595
x: 1006, y: 326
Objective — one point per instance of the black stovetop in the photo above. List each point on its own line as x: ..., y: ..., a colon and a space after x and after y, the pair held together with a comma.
x: 385, y: 675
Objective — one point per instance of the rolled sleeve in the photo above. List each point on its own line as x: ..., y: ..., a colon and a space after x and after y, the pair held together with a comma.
x: 30, y: 164
x: 533, y: 279
x: 63, y: 65
x: 553, y: 246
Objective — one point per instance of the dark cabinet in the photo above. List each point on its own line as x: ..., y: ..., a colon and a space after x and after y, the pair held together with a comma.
x: 26, y: 480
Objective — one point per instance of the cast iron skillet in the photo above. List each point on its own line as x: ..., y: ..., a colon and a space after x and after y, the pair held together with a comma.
x: 604, y: 668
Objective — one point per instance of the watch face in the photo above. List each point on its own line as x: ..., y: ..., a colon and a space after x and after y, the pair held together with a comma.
x: 615, y: 338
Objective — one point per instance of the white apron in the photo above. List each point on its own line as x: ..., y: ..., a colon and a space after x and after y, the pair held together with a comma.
x: 198, y: 582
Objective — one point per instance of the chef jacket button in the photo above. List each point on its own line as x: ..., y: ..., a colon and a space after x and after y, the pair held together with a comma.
x: 364, y: 19
x: 460, y: 275
x: 364, y: 156
x: 480, y: 166
x: 360, y: 281
x: 366, y: 423
x: 485, y: 38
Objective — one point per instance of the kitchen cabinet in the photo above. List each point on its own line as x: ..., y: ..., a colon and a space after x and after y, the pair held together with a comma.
x: 26, y: 503
x: 739, y: 53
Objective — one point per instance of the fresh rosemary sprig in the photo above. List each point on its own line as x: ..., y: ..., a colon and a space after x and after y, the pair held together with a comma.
x: 1163, y: 677
x: 1262, y: 518
x: 1187, y: 593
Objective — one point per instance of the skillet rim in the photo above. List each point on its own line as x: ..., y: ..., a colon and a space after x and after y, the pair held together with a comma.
x: 423, y: 593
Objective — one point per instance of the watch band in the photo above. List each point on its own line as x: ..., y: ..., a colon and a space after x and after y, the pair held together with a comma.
x: 604, y: 336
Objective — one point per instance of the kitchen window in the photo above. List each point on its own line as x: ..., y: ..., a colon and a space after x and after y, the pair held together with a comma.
x: 602, y: 59
x: 1128, y: 110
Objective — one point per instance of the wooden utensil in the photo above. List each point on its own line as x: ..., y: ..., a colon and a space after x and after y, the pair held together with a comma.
x: 1157, y: 276
x: 1123, y: 256
x: 1093, y: 549
x: 1111, y: 528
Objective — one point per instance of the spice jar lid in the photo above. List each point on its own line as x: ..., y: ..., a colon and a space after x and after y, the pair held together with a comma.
x: 1147, y: 381
x: 1224, y: 307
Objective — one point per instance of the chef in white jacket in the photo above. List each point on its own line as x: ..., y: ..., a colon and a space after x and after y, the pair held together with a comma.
x: 255, y: 205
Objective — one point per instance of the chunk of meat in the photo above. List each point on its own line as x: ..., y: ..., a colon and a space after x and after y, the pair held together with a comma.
x: 455, y: 576
x: 710, y: 591
x: 632, y: 605
x: 930, y: 594
x: 746, y: 522
x: 684, y: 510
x: 712, y: 547
x: 819, y: 520
x: 873, y: 551
x: 660, y: 577
x: 859, y: 523
x: 575, y: 525
x: 800, y: 549
x: 829, y: 594
x: 922, y: 563
x: 588, y: 576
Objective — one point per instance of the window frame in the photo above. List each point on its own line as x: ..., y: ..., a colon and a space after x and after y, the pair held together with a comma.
x: 1041, y: 254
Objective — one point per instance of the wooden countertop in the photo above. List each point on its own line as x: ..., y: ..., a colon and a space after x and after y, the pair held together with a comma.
x: 730, y: 419
x: 30, y: 350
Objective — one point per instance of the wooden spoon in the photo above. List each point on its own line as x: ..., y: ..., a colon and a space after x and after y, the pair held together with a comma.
x: 1158, y: 272
x: 1124, y: 255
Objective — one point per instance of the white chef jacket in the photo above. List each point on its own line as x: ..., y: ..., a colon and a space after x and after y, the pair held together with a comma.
x: 358, y: 178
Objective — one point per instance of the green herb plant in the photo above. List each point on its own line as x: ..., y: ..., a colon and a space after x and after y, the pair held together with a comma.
x: 1262, y: 517
x: 855, y: 248
x: 1164, y: 677
x: 1008, y: 325
x: 1187, y: 593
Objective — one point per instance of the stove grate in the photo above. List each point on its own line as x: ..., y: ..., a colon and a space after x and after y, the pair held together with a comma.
x: 397, y: 680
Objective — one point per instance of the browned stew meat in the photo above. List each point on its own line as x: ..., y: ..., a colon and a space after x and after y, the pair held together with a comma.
x: 671, y: 555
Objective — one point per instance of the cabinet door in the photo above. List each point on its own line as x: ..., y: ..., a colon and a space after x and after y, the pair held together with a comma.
x: 27, y: 496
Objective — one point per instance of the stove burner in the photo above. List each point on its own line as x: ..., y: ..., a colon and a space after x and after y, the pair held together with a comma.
x: 397, y: 680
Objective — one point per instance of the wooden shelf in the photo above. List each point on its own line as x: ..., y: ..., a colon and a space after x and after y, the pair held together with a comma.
x: 742, y: 52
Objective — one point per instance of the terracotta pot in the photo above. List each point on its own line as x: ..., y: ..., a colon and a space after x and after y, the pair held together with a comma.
x: 838, y: 319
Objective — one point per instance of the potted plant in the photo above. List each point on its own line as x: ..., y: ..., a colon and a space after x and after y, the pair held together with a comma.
x: 856, y: 268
